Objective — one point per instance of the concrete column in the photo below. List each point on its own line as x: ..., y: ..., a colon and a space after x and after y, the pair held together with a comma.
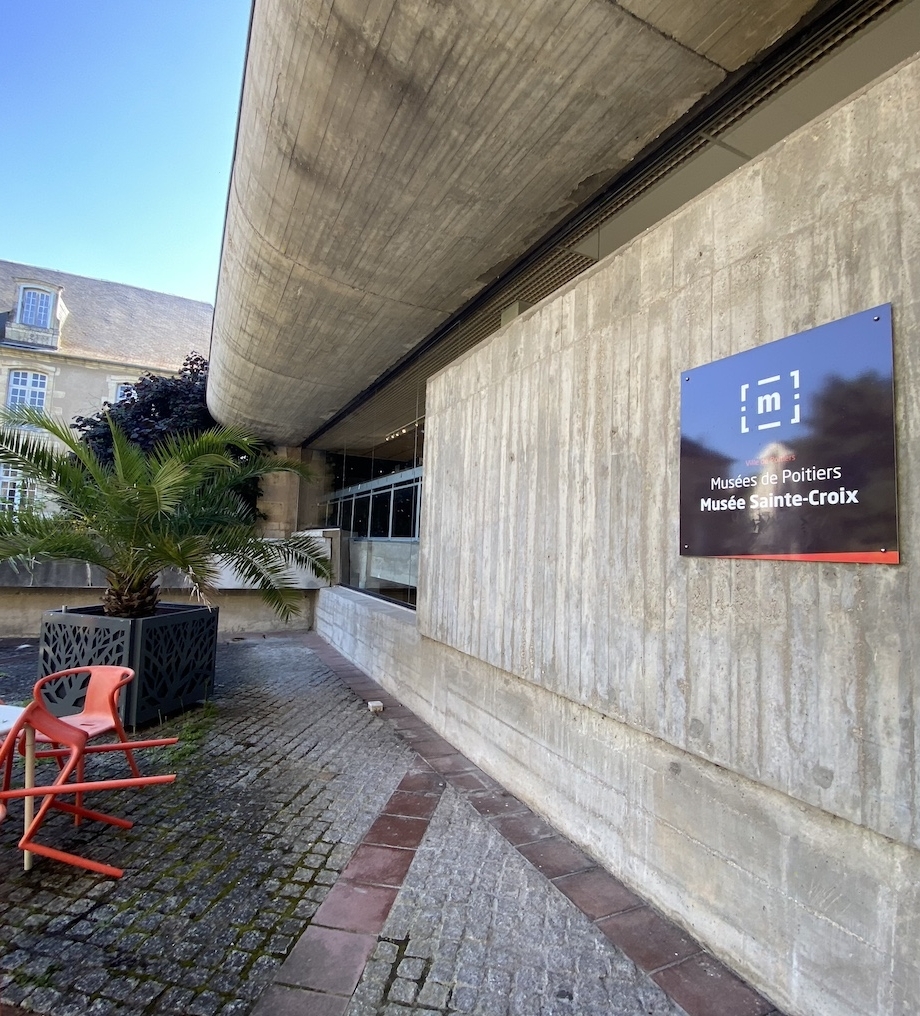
x: 310, y: 513
x: 280, y: 498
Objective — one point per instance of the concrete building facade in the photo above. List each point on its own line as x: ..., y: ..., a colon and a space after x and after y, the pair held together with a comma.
x: 737, y: 740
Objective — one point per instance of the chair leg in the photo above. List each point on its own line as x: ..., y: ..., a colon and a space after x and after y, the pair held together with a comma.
x: 62, y: 855
x: 78, y: 797
x: 28, y: 843
x: 123, y: 737
x: 96, y: 816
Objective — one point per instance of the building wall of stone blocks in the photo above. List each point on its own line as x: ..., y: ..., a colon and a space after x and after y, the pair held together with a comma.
x: 76, y: 387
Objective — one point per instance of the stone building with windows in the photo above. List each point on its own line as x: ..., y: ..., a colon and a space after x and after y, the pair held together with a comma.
x: 69, y: 344
x: 470, y: 250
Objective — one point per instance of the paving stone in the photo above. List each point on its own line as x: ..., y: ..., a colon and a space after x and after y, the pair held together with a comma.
x: 496, y: 937
x: 705, y: 988
x: 353, y: 907
x: 412, y: 968
x: 433, y: 994
x: 207, y: 1003
x: 648, y: 938
x: 386, y: 951
x: 403, y: 991
x: 206, y: 868
x: 75, y: 1005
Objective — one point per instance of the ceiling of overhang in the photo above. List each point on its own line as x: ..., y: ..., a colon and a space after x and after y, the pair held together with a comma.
x: 393, y: 157
x: 845, y: 49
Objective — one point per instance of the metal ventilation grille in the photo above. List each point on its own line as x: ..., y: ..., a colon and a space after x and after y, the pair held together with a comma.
x: 398, y: 396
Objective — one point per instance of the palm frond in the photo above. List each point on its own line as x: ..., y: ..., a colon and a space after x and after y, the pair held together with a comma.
x: 271, y: 577
x: 179, y: 507
x: 167, y: 487
x: 262, y: 465
x: 12, y: 419
x: 28, y: 537
x: 213, y: 442
x: 129, y: 462
x: 304, y: 552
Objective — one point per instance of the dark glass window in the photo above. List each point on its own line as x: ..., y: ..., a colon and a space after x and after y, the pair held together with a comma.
x: 362, y: 515
x: 380, y: 514
x: 404, y: 511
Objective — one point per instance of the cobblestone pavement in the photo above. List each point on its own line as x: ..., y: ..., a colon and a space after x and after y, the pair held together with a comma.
x: 476, y: 929
x: 277, y: 781
x: 282, y: 781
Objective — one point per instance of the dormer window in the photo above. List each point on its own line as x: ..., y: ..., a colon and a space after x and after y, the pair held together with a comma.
x: 35, y: 308
x: 37, y: 318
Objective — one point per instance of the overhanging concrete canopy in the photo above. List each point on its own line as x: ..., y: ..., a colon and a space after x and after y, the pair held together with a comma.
x: 394, y: 156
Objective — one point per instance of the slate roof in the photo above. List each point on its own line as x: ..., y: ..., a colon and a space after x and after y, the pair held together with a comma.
x: 124, y: 324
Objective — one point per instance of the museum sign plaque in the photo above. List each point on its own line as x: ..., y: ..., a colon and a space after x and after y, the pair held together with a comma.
x: 787, y: 451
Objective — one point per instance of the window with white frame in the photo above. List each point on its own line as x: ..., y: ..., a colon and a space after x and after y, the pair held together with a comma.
x: 15, y: 492
x: 27, y: 388
x: 38, y: 317
x: 35, y: 308
x: 122, y: 391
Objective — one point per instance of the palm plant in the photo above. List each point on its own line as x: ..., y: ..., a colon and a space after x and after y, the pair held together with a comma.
x: 175, y: 507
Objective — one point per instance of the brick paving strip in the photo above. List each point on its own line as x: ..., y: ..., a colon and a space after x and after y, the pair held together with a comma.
x: 323, y: 970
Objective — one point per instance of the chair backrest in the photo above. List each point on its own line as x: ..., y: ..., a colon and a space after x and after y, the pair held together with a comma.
x: 37, y: 716
x: 105, y: 684
x: 102, y: 688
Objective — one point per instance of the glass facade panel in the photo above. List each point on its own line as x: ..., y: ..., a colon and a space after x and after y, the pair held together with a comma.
x: 361, y: 517
x: 380, y: 514
x: 379, y: 523
x: 405, y: 500
x: 374, y: 486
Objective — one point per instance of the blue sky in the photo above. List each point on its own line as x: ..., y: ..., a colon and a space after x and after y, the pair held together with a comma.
x: 118, y: 120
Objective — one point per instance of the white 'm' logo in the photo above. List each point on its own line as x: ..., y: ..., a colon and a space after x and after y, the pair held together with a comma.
x: 769, y: 403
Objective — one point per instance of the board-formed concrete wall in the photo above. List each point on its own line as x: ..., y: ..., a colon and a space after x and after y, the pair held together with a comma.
x: 736, y: 739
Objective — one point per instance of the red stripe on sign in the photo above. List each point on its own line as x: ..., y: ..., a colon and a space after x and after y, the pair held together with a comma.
x: 861, y: 557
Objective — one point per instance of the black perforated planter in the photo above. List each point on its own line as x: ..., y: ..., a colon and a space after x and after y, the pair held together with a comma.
x: 172, y: 654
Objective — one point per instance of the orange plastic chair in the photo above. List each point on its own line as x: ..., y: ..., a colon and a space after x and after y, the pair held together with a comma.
x: 100, y: 713
x: 70, y: 751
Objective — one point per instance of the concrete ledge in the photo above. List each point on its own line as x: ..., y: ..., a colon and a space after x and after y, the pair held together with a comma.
x: 49, y: 585
x: 76, y: 574
x: 241, y: 610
